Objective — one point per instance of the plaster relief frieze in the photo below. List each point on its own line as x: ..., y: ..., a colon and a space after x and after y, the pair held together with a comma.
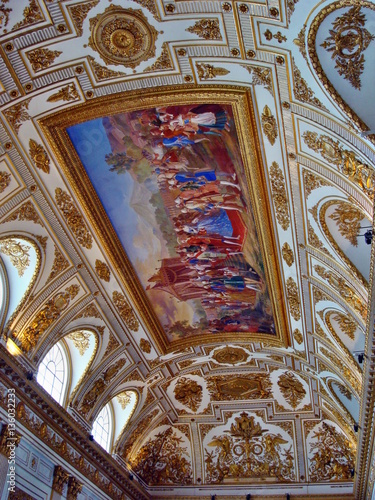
x: 39, y: 156
x: 209, y: 29
x: 293, y: 298
x: 102, y: 270
x: 230, y: 355
x: 125, y: 311
x: 248, y: 450
x: 232, y: 388
x: 345, y: 322
x: 347, y: 41
x: 18, y: 254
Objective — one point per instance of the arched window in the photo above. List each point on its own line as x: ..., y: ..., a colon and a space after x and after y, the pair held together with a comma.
x: 52, y: 373
x: 102, y: 428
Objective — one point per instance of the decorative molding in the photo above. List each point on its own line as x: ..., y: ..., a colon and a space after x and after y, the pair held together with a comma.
x: 17, y: 114
x: 67, y: 93
x: 291, y: 388
x: 188, y: 392
x: 293, y: 299
x: 209, y: 29
x: 163, y: 62
x: 81, y: 341
x: 42, y: 58
x: 39, y: 156
x: 31, y: 15
x: 302, y: 91
x: 125, y: 311
x: 102, y: 270
x: 18, y: 254
x: 269, y: 125
x: 287, y: 254
x: 208, y: 72
x: 24, y: 212
x: 60, y: 479
x: 280, y: 197
x: 5, y: 180
x: 260, y: 76
x: 79, y: 13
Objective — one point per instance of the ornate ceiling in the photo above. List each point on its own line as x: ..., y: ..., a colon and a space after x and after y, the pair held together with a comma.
x: 245, y: 361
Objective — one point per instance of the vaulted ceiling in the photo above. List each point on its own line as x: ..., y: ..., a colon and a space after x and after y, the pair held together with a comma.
x: 244, y: 358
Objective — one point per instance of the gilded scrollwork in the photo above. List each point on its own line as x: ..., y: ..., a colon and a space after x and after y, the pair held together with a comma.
x: 24, y: 212
x: 293, y: 298
x: 346, y: 324
x: 125, y: 311
x: 39, y: 156
x: 89, y: 311
x: 312, y: 181
x: 209, y: 29
x: 347, y: 41
x: 79, y: 13
x: 102, y: 72
x: 18, y: 254
x: 260, y: 76
x: 208, y: 72
x: 333, y: 456
x: 60, y: 479
x: 49, y: 313
x: 123, y: 399
x: 314, y: 240
x: 81, y: 341
x: 73, y: 218
x: 163, y: 62
x: 18, y: 114
x: 31, y: 15
x: 287, y: 254
x: 249, y: 451
x: 280, y: 197
x: 137, y: 433
x: 232, y: 388
x: 269, y: 125
x: 302, y: 91
x: 345, y: 291
x: 189, y: 393
x: 348, y: 219
x: 42, y: 58
x: 291, y: 388
x: 102, y: 270
x: 230, y: 355
x: 112, y: 345
x: 163, y: 460
x: 298, y: 336
x: 346, y: 161
x: 59, y: 264
x: 352, y: 375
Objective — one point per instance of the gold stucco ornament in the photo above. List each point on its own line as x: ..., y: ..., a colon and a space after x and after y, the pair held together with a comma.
x: 122, y: 36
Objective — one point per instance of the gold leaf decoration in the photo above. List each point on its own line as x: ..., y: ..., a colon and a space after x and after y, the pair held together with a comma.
x: 59, y: 264
x: 287, y: 254
x: 145, y: 346
x: 5, y: 13
x: 73, y: 218
x: 348, y: 219
x: 31, y: 15
x: 18, y: 114
x: 81, y: 341
x: 88, y: 312
x: 101, y: 72
x: 79, y: 13
x: 5, y: 179
x: 230, y: 355
x: 312, y: 182
x: 347, y: 41
x: 233, y: 388
x: 280, y: 198
x: 137, y: 433
x: 302, y: 91
x: 113, y: 343
x: 39, y: 156
x: 161, y: 461
x: 123, y: 399
x: 189, y: 393
x: 269, y: 125
x: 102, y: 270
x: 346, y: 324
x: 209, y: 29
x: 344, y: 391
x: 340, y: 285
x: 346, y: 162
x: 352, y: 374
x: 298, y: 336
x: 208, y: 72
x: 42, y: 58
x: 49, y: 313
x: 18, y: 254
x: 163, y: 62
x: 314, y: 240
x: 125, y: 311
x: 291, y: 388
x: 67, y: 93
x: 249, y: 451
x: 25, y: 212
x: 334, y: 450
x: 300, y: 42
x: 293, y: 299
x: 260, y: 76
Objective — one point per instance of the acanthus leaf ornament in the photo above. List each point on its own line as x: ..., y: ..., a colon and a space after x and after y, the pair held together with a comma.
x: 189, y: 393
x: 18, y: 254
x: 102, y: 270
x: 81, y: 341
x: 67, y: 93
x: 287, y: 254
x: 293, y: 299
x: 39, y: 156
x: 5, y: 179
x: 348, y: 219
x: 42, y: 58
x: 347, y: 41
x: 279, y: 196
x: 208, y: 72
x: 209, y: 29
x: 269, y: 125
x: 125, y: 311
x: 291, y: 388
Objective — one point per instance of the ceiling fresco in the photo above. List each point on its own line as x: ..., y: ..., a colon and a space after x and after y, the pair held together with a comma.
x: 186, y: 205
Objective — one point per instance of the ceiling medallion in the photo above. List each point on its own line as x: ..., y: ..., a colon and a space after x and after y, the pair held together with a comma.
x: 230, y: 355
x: 122, y: 36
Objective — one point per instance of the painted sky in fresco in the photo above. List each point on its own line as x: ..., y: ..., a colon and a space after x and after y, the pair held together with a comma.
x: 172, y: 183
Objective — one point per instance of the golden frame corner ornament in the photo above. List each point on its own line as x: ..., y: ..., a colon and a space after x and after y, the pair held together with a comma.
x: 54, y: 128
